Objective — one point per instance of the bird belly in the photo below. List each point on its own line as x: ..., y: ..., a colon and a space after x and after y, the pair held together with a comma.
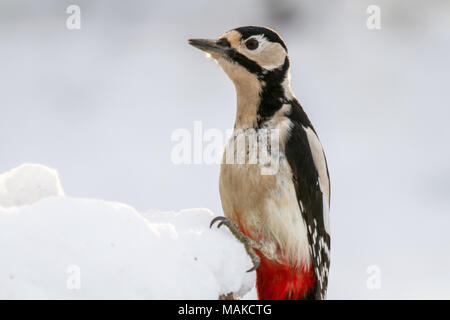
x: 266, y: 209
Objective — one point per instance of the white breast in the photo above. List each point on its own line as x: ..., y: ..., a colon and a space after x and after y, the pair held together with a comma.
x: 266, y: 206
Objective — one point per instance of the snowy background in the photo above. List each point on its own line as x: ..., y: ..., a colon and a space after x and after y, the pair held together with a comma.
x: 100, y: 105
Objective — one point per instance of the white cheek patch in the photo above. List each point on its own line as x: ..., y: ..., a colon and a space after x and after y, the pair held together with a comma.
x: 269, y: 55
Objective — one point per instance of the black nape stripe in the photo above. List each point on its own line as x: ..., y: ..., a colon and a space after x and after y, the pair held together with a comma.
x: 272, y: 94
x: 270, y: 35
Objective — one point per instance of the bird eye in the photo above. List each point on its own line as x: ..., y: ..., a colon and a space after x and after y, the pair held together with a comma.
x: 252, y: 44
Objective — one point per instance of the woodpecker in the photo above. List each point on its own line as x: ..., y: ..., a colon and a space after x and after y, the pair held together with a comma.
x: 282, y: 218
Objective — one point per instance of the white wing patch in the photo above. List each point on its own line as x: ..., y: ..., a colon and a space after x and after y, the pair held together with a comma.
x: 321, y: 166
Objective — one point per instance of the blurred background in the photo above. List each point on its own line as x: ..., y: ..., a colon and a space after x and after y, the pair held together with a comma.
x: 100, y: 104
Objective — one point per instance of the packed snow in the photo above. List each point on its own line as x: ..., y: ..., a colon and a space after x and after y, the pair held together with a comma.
x: 56, y: 247
x: 28, y: 184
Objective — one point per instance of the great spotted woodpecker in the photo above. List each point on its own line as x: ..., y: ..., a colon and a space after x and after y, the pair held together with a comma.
x: 283, y: 217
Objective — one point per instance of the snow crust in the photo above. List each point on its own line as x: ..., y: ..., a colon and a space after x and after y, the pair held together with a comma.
x: 57, y: 247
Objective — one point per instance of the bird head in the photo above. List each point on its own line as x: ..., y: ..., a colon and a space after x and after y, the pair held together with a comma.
x: 247, y: 51
x: 256, y: 60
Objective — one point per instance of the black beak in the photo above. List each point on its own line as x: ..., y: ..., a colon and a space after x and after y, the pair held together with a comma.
x: 209, y: 46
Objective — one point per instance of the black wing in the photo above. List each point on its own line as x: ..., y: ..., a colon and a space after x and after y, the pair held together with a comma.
x: 310, y: 197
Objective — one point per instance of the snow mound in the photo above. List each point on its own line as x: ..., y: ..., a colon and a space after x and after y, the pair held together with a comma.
x: 28, y: 184
x: 67, y: 248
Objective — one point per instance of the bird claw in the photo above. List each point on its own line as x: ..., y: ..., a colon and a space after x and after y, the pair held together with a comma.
x: 255, y: 264
x: 220, y: 218
x: 233, y: 227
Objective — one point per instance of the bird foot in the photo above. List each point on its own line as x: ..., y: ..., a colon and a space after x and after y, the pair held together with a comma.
x: 248, y: 243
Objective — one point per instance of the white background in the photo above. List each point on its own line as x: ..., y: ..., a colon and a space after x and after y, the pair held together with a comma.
x: 100, y: 104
